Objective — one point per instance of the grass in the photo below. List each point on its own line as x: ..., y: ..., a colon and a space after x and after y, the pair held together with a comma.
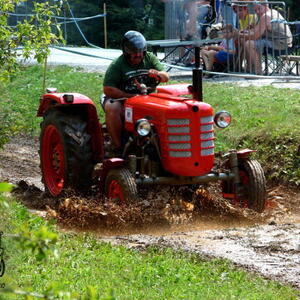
x: 114, y: 272
x: 264, y: 118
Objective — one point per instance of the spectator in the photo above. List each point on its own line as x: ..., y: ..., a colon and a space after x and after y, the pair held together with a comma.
x: 194, y: 16
x: 266, y: 34
x: 246, y: 20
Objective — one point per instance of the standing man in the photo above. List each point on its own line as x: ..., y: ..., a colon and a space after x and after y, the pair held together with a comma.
x: 196, y: 13
x: 134, y: 60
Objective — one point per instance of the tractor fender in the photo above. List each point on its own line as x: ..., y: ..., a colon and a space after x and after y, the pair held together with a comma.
x: 52, y: 99
x: 61, y: 100
x: 109, y: 164
x: 244, y: 153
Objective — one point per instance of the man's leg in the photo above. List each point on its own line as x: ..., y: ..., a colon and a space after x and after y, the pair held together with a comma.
x: 211, y: 59
x: 253, y: 57
x: 114, y: 121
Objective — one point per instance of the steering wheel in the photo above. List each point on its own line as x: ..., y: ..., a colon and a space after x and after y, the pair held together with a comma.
x: 141, y: 83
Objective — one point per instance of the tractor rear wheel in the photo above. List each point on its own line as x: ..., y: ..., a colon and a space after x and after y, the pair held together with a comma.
x: 251, y: 192
x: 120, y: 186
x: 65, y: 153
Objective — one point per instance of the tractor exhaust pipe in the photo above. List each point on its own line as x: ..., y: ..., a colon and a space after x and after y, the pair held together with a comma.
x: 185, y: 180
x: 197, y: 77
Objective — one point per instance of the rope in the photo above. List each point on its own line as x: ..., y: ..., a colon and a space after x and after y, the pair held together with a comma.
x: 59, y: 18
x: 81, y: 53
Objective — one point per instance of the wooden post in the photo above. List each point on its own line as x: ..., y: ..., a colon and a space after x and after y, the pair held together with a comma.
x: 105, y: 25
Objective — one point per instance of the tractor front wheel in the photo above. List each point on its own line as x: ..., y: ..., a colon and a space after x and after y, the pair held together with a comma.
x: 120, y: 186
x: 251, y: 192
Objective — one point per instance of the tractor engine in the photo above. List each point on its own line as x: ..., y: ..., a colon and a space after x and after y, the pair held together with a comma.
x: 184, y: 129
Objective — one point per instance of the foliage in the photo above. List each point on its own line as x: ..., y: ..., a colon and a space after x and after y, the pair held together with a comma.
x: 5, y: 187
x: 87, y: 268
x: 293, y: 10
x: 147, y: 19
x: 34, y: 34
x: 142, y: 15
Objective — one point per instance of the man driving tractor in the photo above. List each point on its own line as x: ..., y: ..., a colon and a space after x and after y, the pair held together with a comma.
x: 134, y: 60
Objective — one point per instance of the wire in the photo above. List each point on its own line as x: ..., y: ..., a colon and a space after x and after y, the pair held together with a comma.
x: 59, y: 18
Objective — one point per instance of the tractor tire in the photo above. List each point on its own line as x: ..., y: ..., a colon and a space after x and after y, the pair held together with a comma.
x: 65, y: 153
x: 253, y: 184
x: 120, y: 186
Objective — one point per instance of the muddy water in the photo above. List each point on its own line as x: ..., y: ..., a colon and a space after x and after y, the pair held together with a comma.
x: 267, y: 243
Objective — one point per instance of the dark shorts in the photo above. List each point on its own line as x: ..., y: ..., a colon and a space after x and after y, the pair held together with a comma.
x: 222, y: 56
x: 104, y: 99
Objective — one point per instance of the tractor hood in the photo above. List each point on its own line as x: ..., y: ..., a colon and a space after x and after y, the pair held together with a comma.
x: 184, y: 127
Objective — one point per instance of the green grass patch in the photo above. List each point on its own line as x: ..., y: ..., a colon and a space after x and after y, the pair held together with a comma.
x: 19, y: 99
x: 264, y: 118
x: 85, y: 265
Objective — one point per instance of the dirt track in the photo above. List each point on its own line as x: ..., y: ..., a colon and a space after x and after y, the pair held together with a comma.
x: 268, y: 243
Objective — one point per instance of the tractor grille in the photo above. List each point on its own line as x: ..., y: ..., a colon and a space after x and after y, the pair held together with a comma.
x: 180, y: 141
x: 207, y: 136
x: 179, y: 137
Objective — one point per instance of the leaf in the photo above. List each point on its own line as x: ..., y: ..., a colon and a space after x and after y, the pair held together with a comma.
x: 5, y: 187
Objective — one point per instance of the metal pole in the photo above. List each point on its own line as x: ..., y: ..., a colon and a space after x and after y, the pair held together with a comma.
x: 105, y: 25
x: 197, y: 77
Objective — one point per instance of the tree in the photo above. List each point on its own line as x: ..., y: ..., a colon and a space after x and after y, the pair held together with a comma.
x: 33, y: 34
x: 145, y: 16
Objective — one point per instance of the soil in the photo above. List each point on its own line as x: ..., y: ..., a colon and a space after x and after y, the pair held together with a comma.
x: 267, y: 243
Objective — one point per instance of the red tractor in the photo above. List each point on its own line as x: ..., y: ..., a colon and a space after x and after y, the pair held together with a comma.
x: 168, y: 140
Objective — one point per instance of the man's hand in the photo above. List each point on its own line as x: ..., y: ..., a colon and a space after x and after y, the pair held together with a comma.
x: 162, y: 76
x: 154, y: 74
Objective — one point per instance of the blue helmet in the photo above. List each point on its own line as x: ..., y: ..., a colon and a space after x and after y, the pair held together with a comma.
x: 133, y: 42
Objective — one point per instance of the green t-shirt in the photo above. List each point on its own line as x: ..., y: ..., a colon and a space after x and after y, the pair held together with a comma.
x: 119, y: 70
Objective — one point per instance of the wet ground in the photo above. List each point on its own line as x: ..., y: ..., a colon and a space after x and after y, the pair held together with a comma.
x: 267, y: 243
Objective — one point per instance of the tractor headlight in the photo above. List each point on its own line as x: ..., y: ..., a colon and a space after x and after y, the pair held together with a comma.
x: 142, y: 127
x: 222, y: 119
